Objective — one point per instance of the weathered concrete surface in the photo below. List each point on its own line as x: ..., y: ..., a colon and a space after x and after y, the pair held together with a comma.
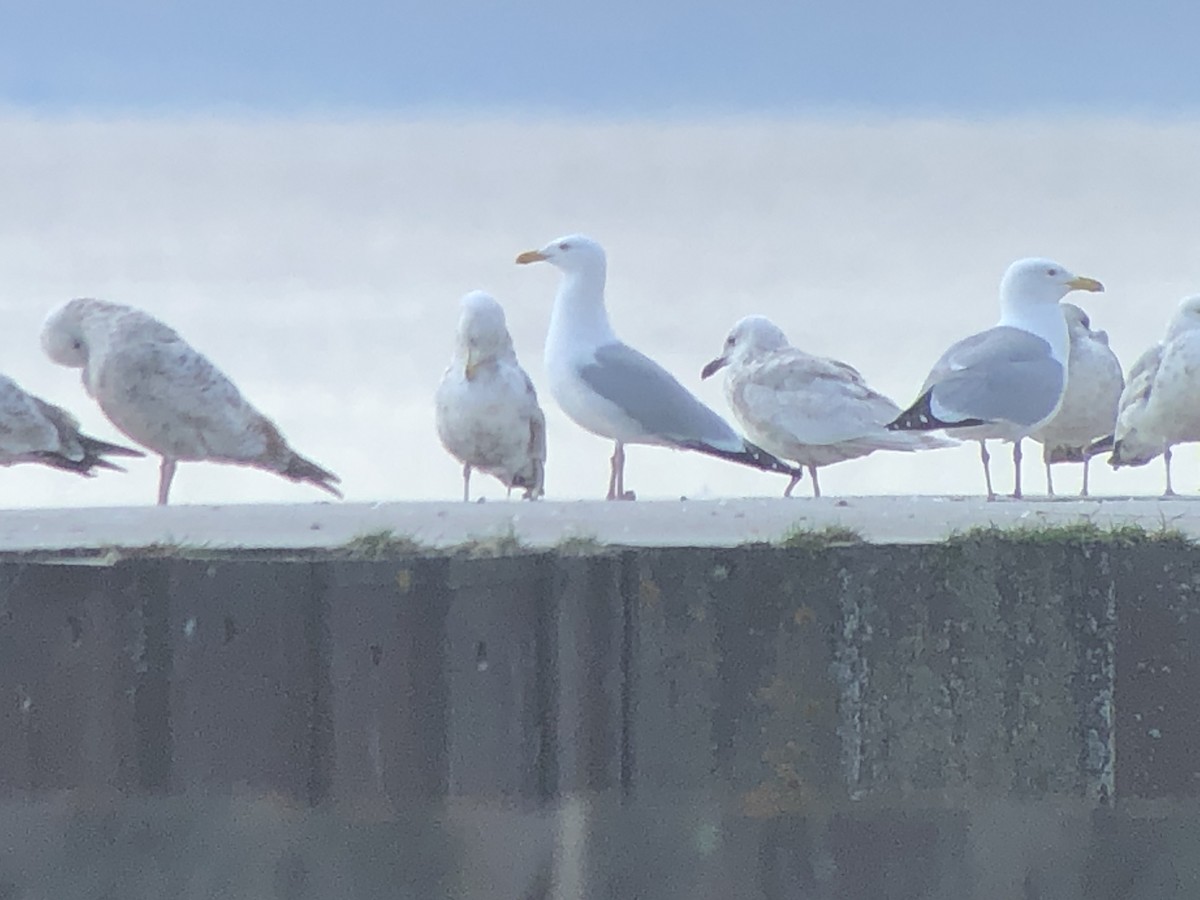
x: 684, y: 523
x: 980, y: 719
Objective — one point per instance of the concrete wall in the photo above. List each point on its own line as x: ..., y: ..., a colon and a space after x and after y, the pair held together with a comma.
x: 980, y: 719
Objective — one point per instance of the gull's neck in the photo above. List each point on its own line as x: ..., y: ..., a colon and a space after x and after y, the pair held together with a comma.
x: 1046, y: 320
x: 579, y: 320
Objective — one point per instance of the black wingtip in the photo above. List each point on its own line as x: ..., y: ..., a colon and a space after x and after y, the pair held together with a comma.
x: 751, y: 455
x: 920, y: 417
x: 86, y: 466
x: 1101, y: 445
x: 97, y: 447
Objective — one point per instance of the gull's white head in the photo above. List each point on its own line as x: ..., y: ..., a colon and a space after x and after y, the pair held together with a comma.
x: 1030, y: 282
x: 64, y: 338
x: 1186, y: 318
x: 571, y: 254
x: 749, y: 339
x: 1079, y: 324
x: 1077, y: 320
x: 482, y: 331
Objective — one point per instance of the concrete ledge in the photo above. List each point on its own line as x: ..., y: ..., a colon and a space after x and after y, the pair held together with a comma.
x: 544, y: 525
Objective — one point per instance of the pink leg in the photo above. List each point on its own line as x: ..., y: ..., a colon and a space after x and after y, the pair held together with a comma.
x: 466, y: 483
x: 987, y: 469
x: 166, y: 472
x: 1017, y: 469
x: 787, y: 491
x: 616, y: 477
x: 812, y: 473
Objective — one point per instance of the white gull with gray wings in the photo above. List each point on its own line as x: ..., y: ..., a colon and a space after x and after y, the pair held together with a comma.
x: 1008, y: 381
x: 611, y: 389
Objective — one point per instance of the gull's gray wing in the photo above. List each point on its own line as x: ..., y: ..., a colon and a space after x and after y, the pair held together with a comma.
x: 1002, y: 374
x: 650, y: 395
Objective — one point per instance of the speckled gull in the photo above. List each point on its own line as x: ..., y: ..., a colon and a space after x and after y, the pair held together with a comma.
x: 163, y: 394
x: 804, y: 408
x: 612, y: 390
x: 1159, y: 407
x: 1089, y: 404
x: 1008, y: 381
x: 34, y: 431
x: 486, y: 407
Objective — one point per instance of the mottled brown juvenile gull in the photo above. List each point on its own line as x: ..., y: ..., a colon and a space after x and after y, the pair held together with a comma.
x: 1159, y: 406
x: 805, y: 408
x: 167, y: 396
x: 1089, y: 404
x: 486, y: 407
x: 1008, y: 381
x: 34, y: 431
x: 612, y: 390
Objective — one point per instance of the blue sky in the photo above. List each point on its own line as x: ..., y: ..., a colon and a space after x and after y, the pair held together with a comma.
x: 613, y: 58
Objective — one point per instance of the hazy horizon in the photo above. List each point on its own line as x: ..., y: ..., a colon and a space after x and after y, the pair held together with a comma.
x: 319, y: 262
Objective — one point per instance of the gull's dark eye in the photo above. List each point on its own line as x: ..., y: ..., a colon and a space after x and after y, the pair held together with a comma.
x: 730, y: 341
x: 564, y: 246
x: 77, y: 345
x: 1052, y: 272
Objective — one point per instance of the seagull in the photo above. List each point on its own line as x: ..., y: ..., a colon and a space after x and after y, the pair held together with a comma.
x: 612, y: 390
x: 1008, y: 381
x: 1089, y: 405
x: 805, y: 408
x: 1158, y: 407
x: 34, y: 431
x: 163, y: 394
x: 487, y: 409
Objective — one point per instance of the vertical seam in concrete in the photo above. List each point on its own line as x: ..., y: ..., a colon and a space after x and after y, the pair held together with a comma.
x: 1101, y: 778
x: 629, y: 611
x: 149, y: 581
x: 319, y: 640
x: 546, y: 680
x: 431, y: 694
x: 851, y: 667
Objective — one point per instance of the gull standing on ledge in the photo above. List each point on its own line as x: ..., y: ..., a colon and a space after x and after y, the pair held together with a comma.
x: 1089, y: 404
x: 32, y: 430
x: 487, y: 409
x: 614, y: 391
x: 805, y: 408
x: 1008, y: 381
x: 162, y: 393
x: 1158, y: 406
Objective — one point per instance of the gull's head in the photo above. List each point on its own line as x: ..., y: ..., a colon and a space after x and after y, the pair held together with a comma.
x: 1035, y: 281
x: 1077, y: 320
x: 750, y: 338
x: 1186, y: 318
x: 64, y: 337
x: 571, y: 254
x: 1079, y: 325
x: 482, y: 331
